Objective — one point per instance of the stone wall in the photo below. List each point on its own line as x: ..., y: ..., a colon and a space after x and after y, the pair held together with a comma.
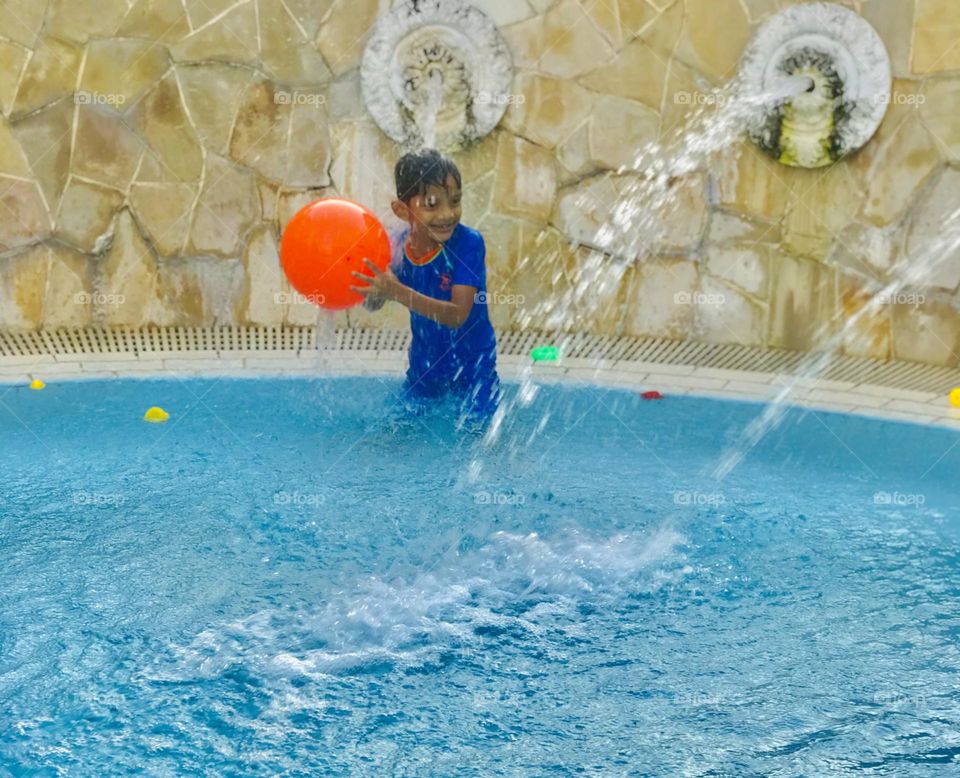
x: 152, y: 150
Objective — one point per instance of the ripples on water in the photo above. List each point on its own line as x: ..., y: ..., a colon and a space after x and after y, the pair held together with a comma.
x: 285, y: 595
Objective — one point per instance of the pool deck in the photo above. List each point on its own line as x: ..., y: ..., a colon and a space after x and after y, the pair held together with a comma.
x: 838, y: 396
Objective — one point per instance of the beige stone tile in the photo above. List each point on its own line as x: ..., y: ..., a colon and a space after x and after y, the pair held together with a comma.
x: 526, y: 179
x: 68, y: 299
x: 732, y: 228
x: 44, y: 138
x: 551, y: 109
x: 941, y: 410
x: 13, y: 162
x: 934, y: 232
x: 803, y: 304
x: 59, y: 369
x: 867, y: 331
x: 120, y: 71
x: 625, y: 128
x: 200, y: 292
x: 162, y: 121
x: 86, y: 213
x: 663, y: 31
x: 724, y: 315
x: 852, y: 398
x: 212, y: 93
x: 889, y: 392
x: 265, y: 300
x: 105, y: 150
x: 163, y: 211
x: 24, y: 214
x: 637, y: 73
x: 749, y: 377
x: 50, y: 75
x: 30, y: 360
x: 929, y: 333
x: 656, y: 367
x: 901, y: 169
x: 186, y: 364
x: 13, y: 58
x: 362, y: 168
x: 936, y: 32
x: 343, y: 33
x: 824, y: 203
x: 693, y: 383
x: 751, y: 389
x: 228, y: 207
x: 753, y: 184
x: 814, y: 383
x: 128, y: 291
x: 164, y: 21
x: 744, y: 265
x: 571, y: 45
x: 21, y: 20
x: 714, y: 35
x: 893, y: 20
x: 938, y: 111
x: 231, y: 37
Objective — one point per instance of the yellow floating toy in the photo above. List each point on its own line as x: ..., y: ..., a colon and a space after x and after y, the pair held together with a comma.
x: 156, y: 414
x: 955, y: 397
x: 36, y: 383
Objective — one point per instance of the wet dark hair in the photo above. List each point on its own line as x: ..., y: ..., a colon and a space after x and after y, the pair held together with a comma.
x: 417, y: 170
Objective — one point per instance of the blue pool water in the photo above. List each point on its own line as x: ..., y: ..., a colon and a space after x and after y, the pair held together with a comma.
x: 278, y: 582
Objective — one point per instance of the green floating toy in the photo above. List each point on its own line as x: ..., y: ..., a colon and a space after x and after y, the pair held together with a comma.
x: 545, y: 354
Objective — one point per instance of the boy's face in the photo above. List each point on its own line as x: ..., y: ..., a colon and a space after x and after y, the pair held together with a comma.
x: 434, y: 214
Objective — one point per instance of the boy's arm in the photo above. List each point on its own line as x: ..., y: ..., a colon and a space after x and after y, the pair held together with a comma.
x: 386, y: 286
x: 450, y: 314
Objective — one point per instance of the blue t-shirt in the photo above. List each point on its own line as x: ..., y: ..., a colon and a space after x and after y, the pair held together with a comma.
x: 439, y: 353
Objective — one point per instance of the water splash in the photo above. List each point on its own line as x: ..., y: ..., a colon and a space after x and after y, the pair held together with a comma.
x: 908, y: 273
x: 511, y: 582
x: 640, y: 201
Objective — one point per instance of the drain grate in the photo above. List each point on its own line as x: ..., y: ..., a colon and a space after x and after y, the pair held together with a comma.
x: 184, y: 340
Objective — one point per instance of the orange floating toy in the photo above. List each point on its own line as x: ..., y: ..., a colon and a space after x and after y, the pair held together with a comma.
x: 324, y: 243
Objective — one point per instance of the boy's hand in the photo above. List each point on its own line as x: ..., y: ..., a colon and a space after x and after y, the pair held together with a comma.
x: 383, y: 284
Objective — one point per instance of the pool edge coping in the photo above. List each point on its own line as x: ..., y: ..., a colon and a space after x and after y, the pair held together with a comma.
x: 831, y: 396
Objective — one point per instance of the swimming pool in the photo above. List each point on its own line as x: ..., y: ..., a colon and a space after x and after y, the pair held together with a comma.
x: 279, y: 582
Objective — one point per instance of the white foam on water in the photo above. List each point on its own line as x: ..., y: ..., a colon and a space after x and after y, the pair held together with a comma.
x: 515, y: 582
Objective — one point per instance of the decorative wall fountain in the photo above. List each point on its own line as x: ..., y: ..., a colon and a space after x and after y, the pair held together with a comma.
x: 436, y: 73
x: 849, y: 69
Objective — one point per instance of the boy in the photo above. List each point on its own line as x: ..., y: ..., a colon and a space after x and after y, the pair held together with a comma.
x: 438, y: 272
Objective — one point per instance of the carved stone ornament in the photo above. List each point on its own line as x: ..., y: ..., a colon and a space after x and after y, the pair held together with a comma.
x: 849, y: 73
x: 436, y: 73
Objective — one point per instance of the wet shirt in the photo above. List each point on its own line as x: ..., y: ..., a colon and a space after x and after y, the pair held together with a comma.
x: 439, y: 353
